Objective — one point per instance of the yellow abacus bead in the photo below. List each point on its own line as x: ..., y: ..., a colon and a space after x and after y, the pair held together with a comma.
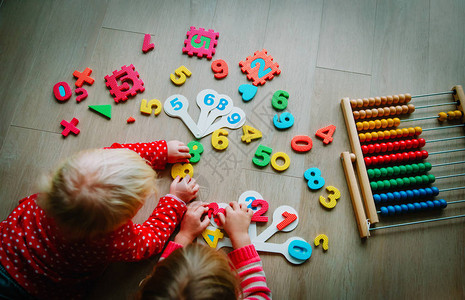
x: 396, y: 122
x: 405, y: 132
x: 411, y: 108
x: 390, y: 122
x: 353, y: 103
x: 384, y: 123
x: 392, y: 134
x: 404, y: 109
x: 356, y: 115
x: 450, y: 115
x: 411, y: 131
x: 377, y: 101
x: 418, y: 130
x: 377, y: 124
x: 398, y: 110
x: 371, y: 101
x: 366, y: 125
x: 368, y: 136
x: 365, y: 102
x: 395, y: 99
x: 368, y: 113
x: 386, y: 134
x: 399, y: 132
x: 371, y: 125
x: 359, y: 126
x: 442, y: 116
x: 458, y: 114
x: 374, y: 135
x: 359, y: 103
x: 408, y: 97
x: 374, y: 112
x: 380, y: 135
x: 362, y: 114
x: 362, y: 137
x: 383, y: 100
x: 401, y: 98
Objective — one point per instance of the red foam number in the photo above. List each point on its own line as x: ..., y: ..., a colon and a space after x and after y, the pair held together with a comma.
x: 147, y: 46
x: 62, y: 91
x: 212, y: 209
x: 326, y: 133
x: 297, y: 142
x: 220, y: 68
x: 260, y: 67
x: 288, y: 219
x: 258, y: 215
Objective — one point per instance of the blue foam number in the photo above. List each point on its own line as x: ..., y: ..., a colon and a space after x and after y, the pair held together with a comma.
x: 284, y: 121
x: 261, y: 70
x: 251, y: 199
x: 300, y: 250
x: 315, y: 181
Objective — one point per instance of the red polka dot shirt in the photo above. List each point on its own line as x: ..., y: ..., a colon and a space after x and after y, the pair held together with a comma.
x: 50, y: 266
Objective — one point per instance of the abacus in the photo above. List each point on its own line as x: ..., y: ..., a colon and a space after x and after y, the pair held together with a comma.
x: 392, y: 175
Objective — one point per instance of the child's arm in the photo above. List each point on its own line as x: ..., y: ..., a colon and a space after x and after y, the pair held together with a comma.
x: 244, y: 257
x: 159, y: 153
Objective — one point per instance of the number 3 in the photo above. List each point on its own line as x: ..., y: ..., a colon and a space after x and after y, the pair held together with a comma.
x: 335, y: 194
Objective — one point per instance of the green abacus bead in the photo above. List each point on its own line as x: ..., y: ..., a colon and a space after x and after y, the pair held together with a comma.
x: 406, y: 181
x: 428, y: 166
x: 371, y: 173
x: 383, y: 172
x: 374, y: 185
x: 400, y: 182
x: 431, y: 178
x: 409, y: 169
x: 390, y: 171
x: 425, y: 179
x: 380, y: 185
x: 387, y: 184
x: 419, y: 180
x: 415, y: 168
x: 396, y: 170
x: 403, y: 170
x: 413, y: 181
x: 422, y: 167
x: 393, y: 183
x: 377, y: 173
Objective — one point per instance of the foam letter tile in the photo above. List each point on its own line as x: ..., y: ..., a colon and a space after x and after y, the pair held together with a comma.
x: 83, y: 77
x: 324, y: 238
x: 147, y: 46
x: 260, y: 67
x: 248, y: 91
x: 123, y: 91
x: 70, y: 127
x: 201, y: 42
x: 62, y: 91
x: 104, y: 110
x: 83, y: 94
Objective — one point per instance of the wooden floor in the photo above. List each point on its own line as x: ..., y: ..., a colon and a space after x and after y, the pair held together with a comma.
x: 326, y: 50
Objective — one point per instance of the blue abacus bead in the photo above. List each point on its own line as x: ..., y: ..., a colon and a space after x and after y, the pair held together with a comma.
x: 430, y: 204
x: 409, y: 194
x: 443, y: 203
x: 383, y: 198
x: 411, y: 207
x: 391, y: 210
x: 417, y: 206
x: 435, y: 190
x: 422, y: 193
x: 377, y: 198
x: 398, y: 209
x: 384, y: 211
x: 437, y: 204
x: 424, y: 206
x: 404, y: 208
x: 390, y: 197
x: 403, y: 195
x: 396, y: 196
x: 396, y: 170
x: 416, y: 194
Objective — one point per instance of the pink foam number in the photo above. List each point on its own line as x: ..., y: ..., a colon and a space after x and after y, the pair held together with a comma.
x: 258, y: 215
x: 212, y: 209
x: 70, y: 127
x: 82, y: 94
x: 123, y: 91
x: 62, y: 91
x: 288, y: 219
x: 83, y: 77
x: 201, y: 42
x: 147, y: 46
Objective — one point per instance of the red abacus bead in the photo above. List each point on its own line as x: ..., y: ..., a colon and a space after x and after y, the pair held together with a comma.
x: 367, y: 161
x: 412, y: 155
x: 371, y: 148
x: 396, y: 145
x: 393, y: 158
x: 377, y: 148
x: 374, y: 160
x: 418, y: 154
x: 408, y: 144
x: 402, y: 145
x: 422, y: 142
x: 383, y: 147
x: 390, y: 147
x: 400, y: 157
x: 387, y: 159
x: 364, y: 149
x: 380, y: 159
x: 424, y: 154
x: 405, y: 156
x: 415, y: 143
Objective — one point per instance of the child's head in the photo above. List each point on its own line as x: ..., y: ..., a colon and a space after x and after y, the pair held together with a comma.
x: 97, y: 191
x: 195, y: 272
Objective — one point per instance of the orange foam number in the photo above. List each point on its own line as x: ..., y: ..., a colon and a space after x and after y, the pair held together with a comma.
x: 182, y: 170
x: 326, y: 133
x: 288, y: 219
x: 212, y: 237
x: 146, y: 108
x: 250, y: 134
x: 180, y: 72
x: 220, y: 142
x: 220, y: 68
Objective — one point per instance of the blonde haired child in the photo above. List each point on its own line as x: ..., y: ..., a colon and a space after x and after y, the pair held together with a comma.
x: 55, y: 242
x: 198, y: 272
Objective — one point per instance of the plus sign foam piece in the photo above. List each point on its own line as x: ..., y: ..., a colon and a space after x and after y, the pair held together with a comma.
x: 147, y: 46
x: 201, y: 42
x: 260, y: 67
x: 82, y: 94
x: 104, y: 110
x: 123, y: 91
x: 70, y: 127
x: 62, y: 91
x: 83, y: 77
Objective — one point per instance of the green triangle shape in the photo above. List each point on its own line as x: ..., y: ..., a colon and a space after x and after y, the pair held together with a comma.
x: 102, y: 109
x: 211, y: 237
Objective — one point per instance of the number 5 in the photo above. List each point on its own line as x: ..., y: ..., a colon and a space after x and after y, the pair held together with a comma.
x: 262, y: 152
x: 181, y: 72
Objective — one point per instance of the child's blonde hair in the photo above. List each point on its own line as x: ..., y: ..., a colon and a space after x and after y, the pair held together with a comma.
x: 195, y: 272
x: 97, y: 191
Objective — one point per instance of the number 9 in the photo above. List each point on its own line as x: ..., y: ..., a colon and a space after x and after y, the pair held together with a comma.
x: 234, y: 118
x: 220, y: 68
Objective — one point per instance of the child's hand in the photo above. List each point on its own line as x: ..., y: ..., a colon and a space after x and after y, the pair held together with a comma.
x: 177, y: 152
x: 236, y: 223
x: 185, y: 189
x: 192, y: 224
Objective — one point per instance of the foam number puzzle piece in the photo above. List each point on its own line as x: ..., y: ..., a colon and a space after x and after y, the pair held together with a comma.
x: 200, y: 42
x: 104, y: 110
x: 220, y: 68
x: 262, y: 156
x: 284, y: 121
x: 333, y: 196
x: 250, y: 133
x: 220, y: 142
x: 207, y: 100
x: 285, y: 157
x: 281, y: 214
x: 247, y: 198
x: 315, y: 181
x: 248, y: 91
x: 182, y: 170
x: 147, y: 46
x: 258, y: 215
x: 130, y: 120
x: 280, y: 99
x: 177, y: 106
x: 146, y: 108
x: 326, y: 133
x: 83, y: 77
x: 212, y: 236
x: 70, y: 127
x: 127, y: 75
x: 298, y: 140
x: 181, y: 74
x: 288, y: 219
x: 62, y: 91
x: 82, y: 94
x: 324, y: 238
x: 260, y: 67
x: 233, y: 120
x: 195, y: 150
x: 296, y: 250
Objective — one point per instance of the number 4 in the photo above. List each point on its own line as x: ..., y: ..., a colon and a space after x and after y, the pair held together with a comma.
x: 326, y: 133
x: 250, y: 134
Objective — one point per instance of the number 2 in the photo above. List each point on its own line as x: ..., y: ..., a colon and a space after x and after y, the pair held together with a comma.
x: 261, y: 69
x: 258, y: 215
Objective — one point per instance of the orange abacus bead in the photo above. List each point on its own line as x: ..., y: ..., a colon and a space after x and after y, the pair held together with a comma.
x: 396, y: 122
x: 383, y: 100
x: 389, y: 100
x: 374, y: 113
x: 377, y: 101
x: 353, y: 103
x: 411, y: 131
x: 395, y: 99
x: 408, y: 97
x: 393, y: 110
x: 368, y: 113
x: 398, y: 110
x: 371, y: 101
x: 362, y: 114
x: 387, y: 111
x: 411, y: 108
x: 450, y: 115
x: 359, y: 103
x: 418, y: 130
x: 401, y: 98
x: 356, y: 115
x: 365, y: 102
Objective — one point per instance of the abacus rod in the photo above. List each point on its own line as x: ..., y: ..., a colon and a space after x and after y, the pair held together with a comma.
x: 433, y: 94
x: 444, y: 127
x: 450, y: 176
x: 452, y: 189
x: 448, y: 164
x: 418, y: 222
x: 446, y: 139
x: 437, y: 104
x: 445, y: 151
x: 419, y: 119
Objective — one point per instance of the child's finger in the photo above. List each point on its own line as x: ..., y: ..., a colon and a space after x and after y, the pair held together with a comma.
x: 186, y: 178
x: 222, y: 217
x: 234, y: 205
x: 183, y: 148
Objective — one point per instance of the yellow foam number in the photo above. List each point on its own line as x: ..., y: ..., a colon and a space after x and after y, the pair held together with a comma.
x: 333, y: 196
x: 180, y: 72
x: 212, y: 237
x: 324, y: 238
x: 146, y: 108
x: 250, y: 134
x: 287, y: 161
x: 220, y: 142
x: 182, y: 170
